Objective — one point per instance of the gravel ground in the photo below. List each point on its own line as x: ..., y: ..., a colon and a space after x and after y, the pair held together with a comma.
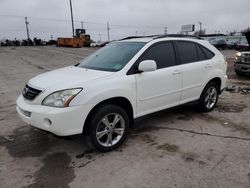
x: 173, y: 148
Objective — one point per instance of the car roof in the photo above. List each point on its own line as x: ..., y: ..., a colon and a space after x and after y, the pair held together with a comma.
x: 147, y: 39
x: 138, y: 40
x: 171, y: 38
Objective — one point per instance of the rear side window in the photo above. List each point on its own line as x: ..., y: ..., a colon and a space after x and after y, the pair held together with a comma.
x: 163, y: 53
x: 208, y: 53
x: 187, y: 52
x: 201, y: 53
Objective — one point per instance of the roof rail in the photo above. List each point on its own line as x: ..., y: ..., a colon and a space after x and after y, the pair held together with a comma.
x: 177, y: 36
x: 162, y: 36
x: 137, y: 37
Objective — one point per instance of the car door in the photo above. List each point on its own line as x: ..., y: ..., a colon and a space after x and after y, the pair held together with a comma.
x: 195, y: 67
x: 161, y: 88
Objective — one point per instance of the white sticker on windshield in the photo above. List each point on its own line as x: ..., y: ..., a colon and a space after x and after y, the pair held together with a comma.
x: 118, y: 66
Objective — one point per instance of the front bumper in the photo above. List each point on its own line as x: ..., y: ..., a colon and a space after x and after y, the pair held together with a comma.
x: 59, y: 121
x: 242, y: 67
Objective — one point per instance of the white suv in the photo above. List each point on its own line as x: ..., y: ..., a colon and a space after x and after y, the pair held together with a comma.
x: 103, y: 94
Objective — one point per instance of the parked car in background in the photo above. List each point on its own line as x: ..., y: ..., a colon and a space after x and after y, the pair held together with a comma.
x: 242, y: 62
x: 231, y: 44
x: 96, y: 44
x: 104, y: 44
x: 242, y: 45
x: 99, y: 44
x: 102, y: 95
x: 219, y: 43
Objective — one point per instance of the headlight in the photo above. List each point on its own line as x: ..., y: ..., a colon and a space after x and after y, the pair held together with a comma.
x: 238, y: 55
x: 61, y: 98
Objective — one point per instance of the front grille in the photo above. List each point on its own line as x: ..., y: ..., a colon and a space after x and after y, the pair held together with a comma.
x: 24, y: 112
x: 30, y: 93
x: 245, y: 58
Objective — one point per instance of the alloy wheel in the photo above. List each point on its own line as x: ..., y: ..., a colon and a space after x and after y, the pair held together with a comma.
x: 211, y: 97
x: 110, y: 129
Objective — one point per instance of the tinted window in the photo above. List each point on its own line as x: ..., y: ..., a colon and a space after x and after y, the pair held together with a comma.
x: 201, y: 54
x: 187, y: 52
x: 163, y: 53
x: 207, y: 52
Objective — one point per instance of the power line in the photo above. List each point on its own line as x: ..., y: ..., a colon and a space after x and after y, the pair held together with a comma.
x: 14, y: 16
x: 80, y: 21
x: 137, y: 26
x: 87, y: 24
x: 51, y: 19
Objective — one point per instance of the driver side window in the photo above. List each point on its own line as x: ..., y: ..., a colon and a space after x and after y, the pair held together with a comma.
x: 162, y: 53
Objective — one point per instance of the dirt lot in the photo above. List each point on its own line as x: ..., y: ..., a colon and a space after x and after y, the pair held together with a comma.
x: 172, y: 148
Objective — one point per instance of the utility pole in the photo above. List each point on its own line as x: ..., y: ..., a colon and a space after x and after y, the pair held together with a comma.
x: 100, y: 37
x: 136, y: 33
x: 82, y: 24
x: 108, y: 29
x: 27, y: 27
x: 72, y: 19
x: 166, y: 30
x: 200, y: 27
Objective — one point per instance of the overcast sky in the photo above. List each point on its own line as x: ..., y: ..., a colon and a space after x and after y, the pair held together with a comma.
x: 126, y: 17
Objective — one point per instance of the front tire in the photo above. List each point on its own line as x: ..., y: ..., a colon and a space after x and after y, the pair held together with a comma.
x: 108, y: 128
x: 209, y: 97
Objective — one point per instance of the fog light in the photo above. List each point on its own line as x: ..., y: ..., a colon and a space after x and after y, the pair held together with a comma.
x: 47, y: 122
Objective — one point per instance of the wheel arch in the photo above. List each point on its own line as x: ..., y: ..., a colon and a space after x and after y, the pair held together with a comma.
x: 216, y: 80
x: 119, y: 101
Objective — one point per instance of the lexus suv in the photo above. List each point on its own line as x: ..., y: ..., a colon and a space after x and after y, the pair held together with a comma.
x: 102, y: 95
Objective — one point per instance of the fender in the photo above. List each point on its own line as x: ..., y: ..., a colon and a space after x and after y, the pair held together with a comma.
x: 97, y: 92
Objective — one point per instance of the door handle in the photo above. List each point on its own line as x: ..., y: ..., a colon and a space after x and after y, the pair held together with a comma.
x: 176, y: 72
x: 207, y: 66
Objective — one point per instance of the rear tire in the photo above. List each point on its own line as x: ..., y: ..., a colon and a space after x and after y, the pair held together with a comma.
x: 209, y: 97
x: 108, y: 128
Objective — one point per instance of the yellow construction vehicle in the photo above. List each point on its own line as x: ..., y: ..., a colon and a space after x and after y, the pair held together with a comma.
x: 80, y: 40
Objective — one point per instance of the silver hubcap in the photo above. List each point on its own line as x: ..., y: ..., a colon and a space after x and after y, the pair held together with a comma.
x: 211, y: 97
x: 110, y: 129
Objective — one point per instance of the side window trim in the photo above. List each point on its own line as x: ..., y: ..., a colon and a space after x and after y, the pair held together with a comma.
x: 197, y: 46
x: 177, y: 58
x: 131, y: 71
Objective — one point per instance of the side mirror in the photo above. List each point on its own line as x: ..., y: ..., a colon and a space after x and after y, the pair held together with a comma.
x: 147, y: 66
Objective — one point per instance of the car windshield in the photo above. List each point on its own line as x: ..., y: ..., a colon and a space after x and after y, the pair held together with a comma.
x: 112, y: 57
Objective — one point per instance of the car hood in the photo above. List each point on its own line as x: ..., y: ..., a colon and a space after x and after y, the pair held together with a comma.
x: 66, y: 77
